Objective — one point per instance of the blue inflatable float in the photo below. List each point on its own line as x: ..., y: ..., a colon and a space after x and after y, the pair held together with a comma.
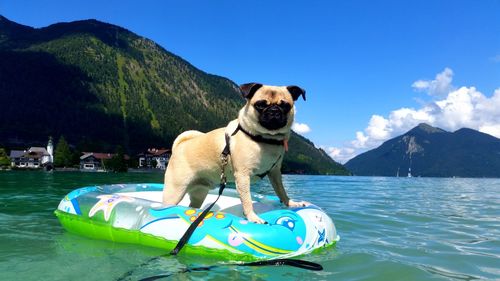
x: 133, y: 213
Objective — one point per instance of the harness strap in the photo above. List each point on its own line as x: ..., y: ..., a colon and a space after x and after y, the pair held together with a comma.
x: 263, y: 175
x: 226, y: 152
x: 259, y: 138
x: 227, y: 149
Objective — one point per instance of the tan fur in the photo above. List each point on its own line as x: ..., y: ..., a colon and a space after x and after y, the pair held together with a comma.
x: 195, y: 165
x: 185, y: 136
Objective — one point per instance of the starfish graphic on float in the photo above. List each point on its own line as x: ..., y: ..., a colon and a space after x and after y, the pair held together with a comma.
x: 107, y: 203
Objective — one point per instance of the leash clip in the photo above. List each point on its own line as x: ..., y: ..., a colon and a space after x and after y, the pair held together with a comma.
x: 224, y: 161
x: 223, y: 179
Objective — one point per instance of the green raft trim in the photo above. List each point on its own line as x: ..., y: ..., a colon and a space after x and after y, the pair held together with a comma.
x: 101, y: 231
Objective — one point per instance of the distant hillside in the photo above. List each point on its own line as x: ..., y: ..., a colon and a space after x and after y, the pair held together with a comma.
x: 101, y: 86
x: 432, y: 152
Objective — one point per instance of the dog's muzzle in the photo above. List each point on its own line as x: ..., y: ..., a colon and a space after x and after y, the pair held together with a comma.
x: 273, y: 117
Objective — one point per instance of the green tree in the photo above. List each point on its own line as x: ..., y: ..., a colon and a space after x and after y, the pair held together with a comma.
x: 62, y: 154
x: 117, y: 163
x: 4, y: 159
x: 133, y: 162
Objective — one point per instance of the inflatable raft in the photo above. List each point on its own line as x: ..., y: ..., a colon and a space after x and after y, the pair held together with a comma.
x: 133, y: 213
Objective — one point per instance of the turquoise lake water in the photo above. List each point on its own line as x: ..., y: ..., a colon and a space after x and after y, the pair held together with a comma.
x: 390, y: 228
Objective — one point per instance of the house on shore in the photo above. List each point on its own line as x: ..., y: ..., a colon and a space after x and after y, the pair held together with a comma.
x: 94, y: 161
x: 33, y: 158
x: 154, y: 158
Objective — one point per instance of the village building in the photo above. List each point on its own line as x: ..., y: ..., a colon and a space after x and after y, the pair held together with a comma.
x: 154, y: 158
x: 95, y: 161
x: 34, y: 157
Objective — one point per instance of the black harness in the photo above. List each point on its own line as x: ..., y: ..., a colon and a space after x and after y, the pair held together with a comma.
x: 256, y: 138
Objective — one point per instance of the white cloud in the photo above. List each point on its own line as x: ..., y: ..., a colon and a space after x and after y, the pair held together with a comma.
x: 440, y: 86
x: 360, y: 141
x: 301, y: 128
x: 495, y: 59
x: 341, y: 154
x: 492, y: 129
x: 459, y: 108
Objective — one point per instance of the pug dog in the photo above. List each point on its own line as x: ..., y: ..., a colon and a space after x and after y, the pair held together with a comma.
x: 257, y: 141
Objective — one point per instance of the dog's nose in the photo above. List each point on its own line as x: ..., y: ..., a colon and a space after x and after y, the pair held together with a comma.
x: 274, y: 112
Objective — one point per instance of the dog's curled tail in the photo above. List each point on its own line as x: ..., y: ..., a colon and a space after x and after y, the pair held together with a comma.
x: 187, y: 135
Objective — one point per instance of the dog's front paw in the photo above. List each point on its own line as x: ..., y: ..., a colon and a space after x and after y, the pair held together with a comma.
x: 255, y: 219
x: 294, y: 204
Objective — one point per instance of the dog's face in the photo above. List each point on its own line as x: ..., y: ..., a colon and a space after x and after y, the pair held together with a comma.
x: 271, y: 106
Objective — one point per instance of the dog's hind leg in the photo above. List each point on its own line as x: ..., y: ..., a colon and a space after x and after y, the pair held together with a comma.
x: 175, y: 187
x: 197, y: 195
x: 173, y: 195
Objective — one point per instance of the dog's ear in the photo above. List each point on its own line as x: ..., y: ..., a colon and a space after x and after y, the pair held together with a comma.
x: 249, y: 89
x: 296, y: 92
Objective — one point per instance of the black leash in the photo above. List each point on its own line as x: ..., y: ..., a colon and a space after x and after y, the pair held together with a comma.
x: 290, y: 262
x: 189, y: 232
x: 278, y: 262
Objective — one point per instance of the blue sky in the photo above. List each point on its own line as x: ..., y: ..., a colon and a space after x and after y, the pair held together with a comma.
x: 358, y: 60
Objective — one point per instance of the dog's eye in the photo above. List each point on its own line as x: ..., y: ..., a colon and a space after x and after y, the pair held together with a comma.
x: 260, y: 105
x: 285, y: 106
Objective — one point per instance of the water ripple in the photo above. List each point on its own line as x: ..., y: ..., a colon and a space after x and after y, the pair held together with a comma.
x: 390, y: 228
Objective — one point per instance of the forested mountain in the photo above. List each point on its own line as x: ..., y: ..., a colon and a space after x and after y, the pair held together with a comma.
x: 101, y: 86
x: 432, y: 152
